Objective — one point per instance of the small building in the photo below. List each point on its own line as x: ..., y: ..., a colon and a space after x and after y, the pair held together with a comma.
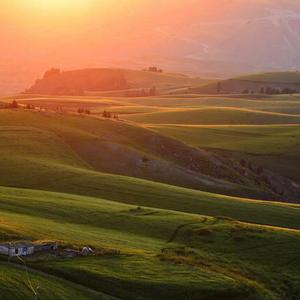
x: 46, y: 246
x: 70, y: 253
x: 17, y: 249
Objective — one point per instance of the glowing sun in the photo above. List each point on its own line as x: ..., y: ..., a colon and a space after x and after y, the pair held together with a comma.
x: 58, y: 6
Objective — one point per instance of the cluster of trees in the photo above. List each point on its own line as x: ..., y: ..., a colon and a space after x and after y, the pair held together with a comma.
x: 272, y: 91
x: 83, y: 111
x: 52, y: 72
x: 14, y: 104
x: 277, y: 91
x: 109, y: 115
x: 154, y: 69
x: 143, y: 93
x: 77, y: 82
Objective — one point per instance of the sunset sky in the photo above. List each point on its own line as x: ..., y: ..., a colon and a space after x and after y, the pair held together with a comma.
x: 40, y: 34
x: 65, y: 29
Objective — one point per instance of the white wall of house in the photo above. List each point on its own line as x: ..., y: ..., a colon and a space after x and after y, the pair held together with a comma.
x: 16, y: 251
x: 4, y: 250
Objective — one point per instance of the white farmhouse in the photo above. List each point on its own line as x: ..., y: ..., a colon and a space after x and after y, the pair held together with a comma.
x: 17, y: 249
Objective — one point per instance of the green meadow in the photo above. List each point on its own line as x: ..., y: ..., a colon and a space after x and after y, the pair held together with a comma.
x: 207, y: 255
x: 157, y: 193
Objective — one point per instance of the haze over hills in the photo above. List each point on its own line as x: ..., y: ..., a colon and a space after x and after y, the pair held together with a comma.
x: 212, y: 39
x: 158, y: 157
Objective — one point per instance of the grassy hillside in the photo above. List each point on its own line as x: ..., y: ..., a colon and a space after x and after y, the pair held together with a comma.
x: 254, y: 83
x: 127, y: 105
x: 280, y: 77
x: 215, y: 116
x: 207, y: 256
x: 268, y: 139
x: 273, y: 146
x: 90, y: 144
x: 93, y: 81
x: 35, y: 163
x: 60, y: 180
x: 16, y: 283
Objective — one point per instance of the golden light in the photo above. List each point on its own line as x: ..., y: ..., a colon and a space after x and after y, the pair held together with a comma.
x: 57, y: 6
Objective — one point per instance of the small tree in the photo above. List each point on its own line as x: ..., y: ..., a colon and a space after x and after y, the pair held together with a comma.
x: 14, y: 104
x: 219, y: 87
x: 153, y: 91
x: 243, y: 163
x: 52, y: 72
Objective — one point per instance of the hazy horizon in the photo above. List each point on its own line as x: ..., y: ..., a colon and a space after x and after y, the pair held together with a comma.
x: 205, y: 38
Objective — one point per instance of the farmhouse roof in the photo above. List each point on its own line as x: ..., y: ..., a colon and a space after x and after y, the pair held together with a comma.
x: 19, y: 244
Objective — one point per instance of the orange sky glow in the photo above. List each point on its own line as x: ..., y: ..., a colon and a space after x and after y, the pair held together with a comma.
x: 40, y: 34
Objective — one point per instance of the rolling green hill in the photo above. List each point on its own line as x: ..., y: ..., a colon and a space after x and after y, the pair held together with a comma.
x: 149, y: 199
x: 254, y: 83
x: 215, y: 116
x: 17, y: 283
x: 280, y: 77
x: 275, y: 147
x: 77, y: 82
x: 266, y: 139
x: 89, y: 144
x: 59, y: 157
x: 208, y: 256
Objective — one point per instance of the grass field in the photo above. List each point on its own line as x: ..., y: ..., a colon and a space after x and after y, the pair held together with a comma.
x: 17, y: 283
x: 216, y: 258
x: 286, y: 77
x: 253, y: 83
x: 268, y: 139
x: 84, y: 180
x: 215, y: 116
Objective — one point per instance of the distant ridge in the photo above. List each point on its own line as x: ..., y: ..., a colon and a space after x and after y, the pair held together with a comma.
x: 56, y: 82
x: 77, y: 82
x: 266, y: 83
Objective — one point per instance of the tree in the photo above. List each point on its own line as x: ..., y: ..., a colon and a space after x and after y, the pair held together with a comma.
x: 155, y: 69
x: 14, y: 104
x: 153, y: 91
x: 52, y: 72
x: 106, y: 114
x: 219, y: 87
